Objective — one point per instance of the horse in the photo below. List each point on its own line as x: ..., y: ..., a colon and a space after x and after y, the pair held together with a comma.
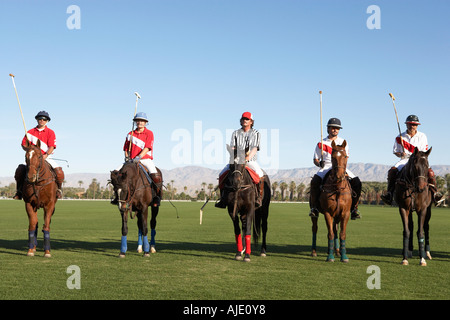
x: 134, y: 189
x: 39, y: 191
x: 241, y: 200
x: 412, y: 192
x: 335, y: 203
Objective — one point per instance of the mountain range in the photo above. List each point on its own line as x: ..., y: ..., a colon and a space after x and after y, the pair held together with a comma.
x: 193, y: 176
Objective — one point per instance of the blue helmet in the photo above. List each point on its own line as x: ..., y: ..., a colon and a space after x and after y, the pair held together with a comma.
x: 140, y: 116
x: 42, y: 114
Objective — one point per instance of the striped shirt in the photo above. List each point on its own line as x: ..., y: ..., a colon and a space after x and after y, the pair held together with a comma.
x: 243, y: 140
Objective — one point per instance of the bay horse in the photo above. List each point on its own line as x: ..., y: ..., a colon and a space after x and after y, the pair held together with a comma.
x: 39, y: 191
x: 241, y: 201
x: 412, y: 192
x: 335, y: 203
x: 135, y: 194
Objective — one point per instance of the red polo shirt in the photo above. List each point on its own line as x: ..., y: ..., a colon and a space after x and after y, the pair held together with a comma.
x: 140, y: 141
x: 46, y: 135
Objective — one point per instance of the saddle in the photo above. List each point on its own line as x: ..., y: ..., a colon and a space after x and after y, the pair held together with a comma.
x: 253, y: 175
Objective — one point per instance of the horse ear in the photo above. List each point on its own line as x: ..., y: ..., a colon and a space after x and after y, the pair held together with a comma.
x: 428, y: 152
x: 333, y: 145
x: 38, y: 144
x: 416, y: 151
x: 344, y: 144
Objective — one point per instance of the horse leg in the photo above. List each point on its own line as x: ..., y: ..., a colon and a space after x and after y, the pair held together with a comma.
x: 343, y: 236
x: 238, y: 237
x: 264, y: 231
x: 139, y: 248
x: 123, y: 243
x: 32, y: 229
x: 144, y: 227
x: 329, y: 221
x: 48, y: 213
x: 420, y: 236
x: 406, y: 234
x: 426, y: 230
x: 314, y: 237
x: 155, y: 211
x: 336, y: 239
x: 247, y: 230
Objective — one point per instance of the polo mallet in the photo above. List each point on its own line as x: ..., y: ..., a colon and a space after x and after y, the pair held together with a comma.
x: 132, y: 127
x: 321, y: 128
x: 17, y: 96
x: 206, y: 202
x: 398, y: 123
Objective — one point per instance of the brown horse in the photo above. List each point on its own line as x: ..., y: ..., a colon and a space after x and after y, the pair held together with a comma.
x: 412, y: 192
x: 135, y: 193
x: 241, y: 201
x: 39, y: 191
x: 336, y: 200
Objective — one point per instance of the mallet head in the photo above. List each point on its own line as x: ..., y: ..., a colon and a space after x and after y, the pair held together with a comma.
x: 11, y: 75
x: 137, y: 95
x: 392, y: 96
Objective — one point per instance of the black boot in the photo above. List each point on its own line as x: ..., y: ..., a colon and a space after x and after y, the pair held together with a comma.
x: 222, y: 204
x: 314, y: 195
x: 389, y: 196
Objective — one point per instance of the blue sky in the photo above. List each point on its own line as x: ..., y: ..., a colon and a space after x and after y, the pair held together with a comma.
x: 199, y: 64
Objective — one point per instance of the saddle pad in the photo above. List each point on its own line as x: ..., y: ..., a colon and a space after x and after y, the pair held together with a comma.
x: 253, y: 175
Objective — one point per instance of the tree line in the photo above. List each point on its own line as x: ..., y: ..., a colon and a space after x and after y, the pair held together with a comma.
x: 281, y: 191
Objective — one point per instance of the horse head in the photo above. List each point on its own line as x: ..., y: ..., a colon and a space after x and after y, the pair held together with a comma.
x: 339, y: 160
x: 34, y: 161
x: 419, y: 168
x: 122, y: 182
x: 237, y: 167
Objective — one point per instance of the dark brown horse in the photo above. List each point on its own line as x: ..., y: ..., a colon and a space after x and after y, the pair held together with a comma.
x: 335, y: 203
x: 135, y: 194
x: 413, y: 193
x: 241, y: 201
x: 39, y: 191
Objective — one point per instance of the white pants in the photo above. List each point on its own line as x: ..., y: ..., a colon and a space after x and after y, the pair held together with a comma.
x: 148, y: 163
x: 252, y: 165
x: 322, y: 172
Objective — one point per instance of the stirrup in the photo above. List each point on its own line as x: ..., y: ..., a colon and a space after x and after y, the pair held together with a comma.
x: 221, y: 204
x: 387, y: 198
x: 355, y: 214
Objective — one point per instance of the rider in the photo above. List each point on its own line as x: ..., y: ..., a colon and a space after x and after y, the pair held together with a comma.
x: 48, y: 144
x: 404, y: 146
x: 141, y: 151
x: 246, y: 137
x: 324, y: 162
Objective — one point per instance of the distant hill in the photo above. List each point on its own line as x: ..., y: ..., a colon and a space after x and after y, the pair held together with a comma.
x: 193, y: 176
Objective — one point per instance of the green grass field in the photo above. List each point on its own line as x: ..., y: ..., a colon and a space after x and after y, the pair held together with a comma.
x: 196, y: 262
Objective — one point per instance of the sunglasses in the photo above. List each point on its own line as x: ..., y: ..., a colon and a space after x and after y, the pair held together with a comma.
x: 45, y: 119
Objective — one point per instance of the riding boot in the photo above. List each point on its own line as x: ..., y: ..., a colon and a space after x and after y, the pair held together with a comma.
x: 389, y: 196
x: 259, y: 193
x: 19, y: 176
x: 157, y: 187
x: 222, y: 204
x: 59, y: 181
x: 356, y: 185
x: 436, y: 195
x: 314, y: 195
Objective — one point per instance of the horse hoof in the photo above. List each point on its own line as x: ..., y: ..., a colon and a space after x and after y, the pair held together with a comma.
x: 122, y: 255
x: 247, y: 258
x: 238, y: 256
x: 263, y: 254
x: 152, y: 249
x: 422, y: 262
x: 146, y: 254
x: 429, y: 255
x: 405, y: 262
x: 47, y: 255
x: 314, y: 253
x: 139, y: 249
x: 344, y: 260
x: 30, y: 253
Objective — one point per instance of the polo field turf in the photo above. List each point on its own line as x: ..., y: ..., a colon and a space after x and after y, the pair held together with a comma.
x: 196, y: 262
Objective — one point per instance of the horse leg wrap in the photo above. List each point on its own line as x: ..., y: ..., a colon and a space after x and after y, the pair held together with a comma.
x: 239, y: 242
x: 139, y: 238
x: 46, y: 240
x: 343, y: 251
x: 330, y: 250
x: 123, y: 245
x: 31, y: 239
x: 248, y: 243
x: 422, y: 248
x: 405, y: 247
x: 146, y: 244
x: 152, y: 237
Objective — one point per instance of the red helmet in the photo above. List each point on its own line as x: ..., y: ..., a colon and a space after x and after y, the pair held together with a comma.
x: 247, y: 115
